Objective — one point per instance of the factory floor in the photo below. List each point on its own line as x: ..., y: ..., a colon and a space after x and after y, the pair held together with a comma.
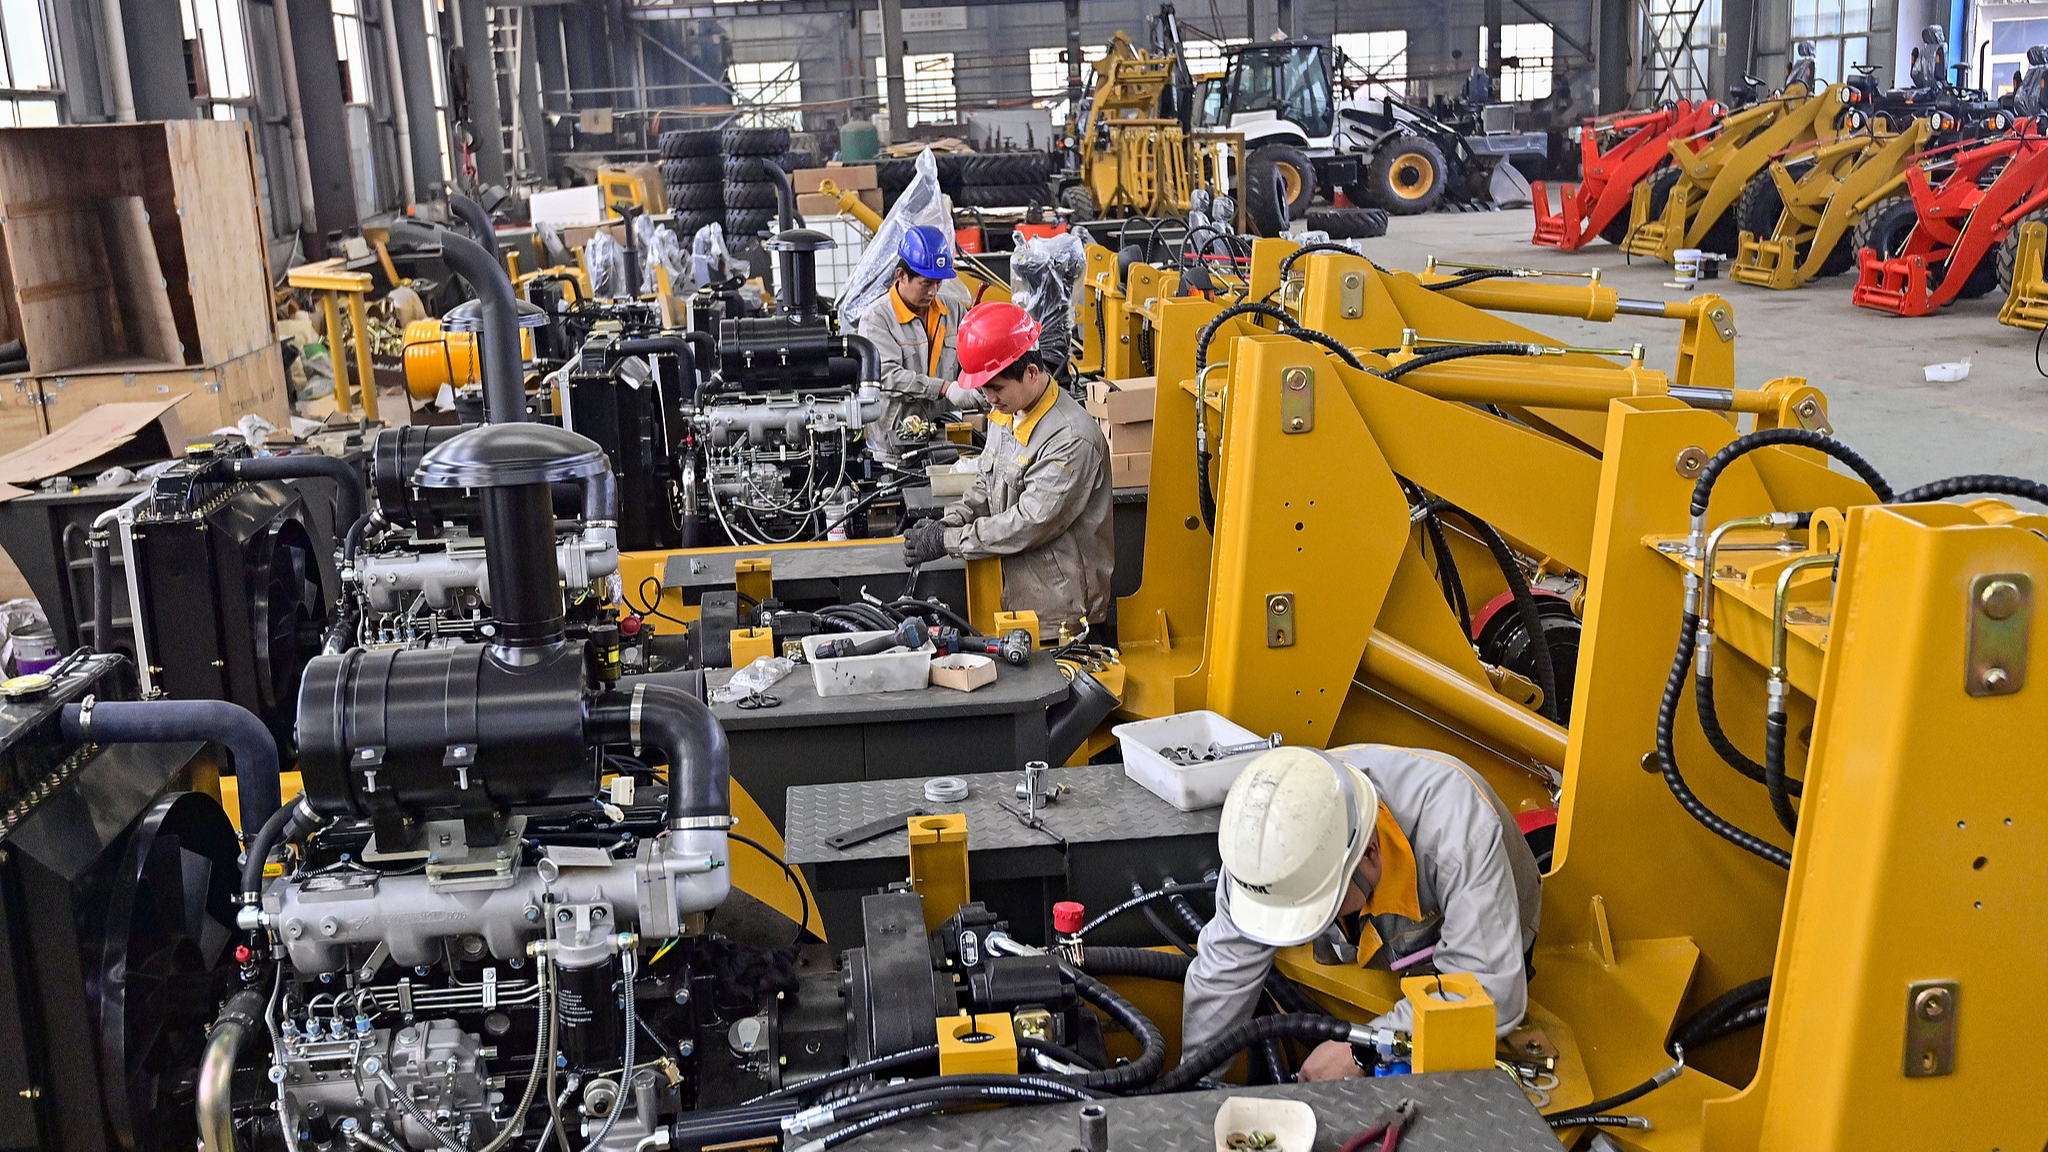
x: 1868, y: 363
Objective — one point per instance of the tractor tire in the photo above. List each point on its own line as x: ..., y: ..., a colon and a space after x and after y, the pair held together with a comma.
x: 1279, y: 185
x: 744, y: 223
x: 751, y: 195
x: 1078, y: 200
x: 892, y: 176
x: 696, y: 197
x: 688, y: 223
x: 1982, y: 279
x: 1884, y: 227
x: 1348, y: 223
x: 1407, y: 176
x: 2009, y: 249
x: 770, y: 142
x: 1616, y: 230
x: 688, y: 143
x: 953, y: 170
x: 1006, y: 168
x: 1758, y: 208
x: 798, y: 161
x: 1002, y: 195
x: 750, y: 169
x: 692, y: 170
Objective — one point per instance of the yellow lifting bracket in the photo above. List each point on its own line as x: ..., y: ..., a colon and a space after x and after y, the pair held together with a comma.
x: 332, y: 281
x: 1822, y: 206
x: 2026, y: 305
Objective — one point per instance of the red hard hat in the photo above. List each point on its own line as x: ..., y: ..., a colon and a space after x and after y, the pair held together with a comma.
x: 991, y: 338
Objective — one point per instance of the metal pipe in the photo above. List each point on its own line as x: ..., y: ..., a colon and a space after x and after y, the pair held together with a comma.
x: 1780, y: 634
x: 477, y: 220
x: 504, y: 367
x: 1704, y: 658
x: 242, y: 1015
x: 116, y: 27
x: 1406, y: 669
x: 401, y: 118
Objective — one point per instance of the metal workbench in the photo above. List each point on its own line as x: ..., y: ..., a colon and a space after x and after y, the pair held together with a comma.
x: 1097, y: 840
x: 876, y: 736
x: 1454, y: 1112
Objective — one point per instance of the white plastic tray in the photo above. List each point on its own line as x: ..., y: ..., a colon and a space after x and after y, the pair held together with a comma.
x: 898, y: 671
x: 1188, y: 787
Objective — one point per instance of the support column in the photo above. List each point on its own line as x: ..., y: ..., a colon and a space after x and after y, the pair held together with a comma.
x: 1284, y: 17
x: 1738, y: 24
x: 1075, y: 77
x: 1612, y: 21
x: 1251, y: 20
x: 416, y: 88
x: 892, y: 70
x: 486, y: 124
x: 156, y: 62
x: 322, y: 120
x: 1490, y: 19
x: 529, y: 91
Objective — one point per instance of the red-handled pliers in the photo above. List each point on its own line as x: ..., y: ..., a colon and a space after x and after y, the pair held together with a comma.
x: 1386, y: 1129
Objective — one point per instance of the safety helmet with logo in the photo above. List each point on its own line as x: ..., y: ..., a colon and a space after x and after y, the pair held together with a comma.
x: 926, y: 251
x: 1295, y: 825
x: 992, y: 336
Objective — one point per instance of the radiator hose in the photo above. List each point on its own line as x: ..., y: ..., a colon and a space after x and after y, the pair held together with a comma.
x: 250, y: 745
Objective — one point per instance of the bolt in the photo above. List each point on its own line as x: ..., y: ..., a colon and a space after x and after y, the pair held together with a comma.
x: 329, y: 927
x: 1298, y: 423
x: 597, y: 913
x: 686, y: 1048
x: 1999, y: 599
x: 564, y: 916
x: 1808, y: 407
x: 1690, y: 460
x: 1652, y: 762
x: 294, y: 929
x: 277, y: 1073
x: 682, y: 995
x: 1995, y: 679
x: 532, y: 913
x: 1933, y: 1003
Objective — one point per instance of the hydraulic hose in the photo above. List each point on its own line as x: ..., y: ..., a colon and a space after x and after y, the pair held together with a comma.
x: 1710, y: 723
x: 1142, y: 962
x: 1977, y: 485
x: 498, y: 344
x: 1055, y: 1051
x: 250, y: 745
x: 1667, y: 755
x: 853, y: 1072
x: 1577, y: 1116
x: 1703, y: 488
x: 1453, y: 352
x: 1137, y: 901
x: 1238, y: 1037
x: 239, y: 1017
x: 1204, y: 491
x: 1525, y: 606
x: 1323, y: 340
x: 727, y: 1127
x: 284, y: 826
x: 1137, y: 1073
x: 1718, y: 1013
x: 477, y: 220
x: 1469, y: 278
x: 351, y: 492
x: 682, y: 728
x: 348, y: 617
x: 1287, y: 261
x: 1774, y: 771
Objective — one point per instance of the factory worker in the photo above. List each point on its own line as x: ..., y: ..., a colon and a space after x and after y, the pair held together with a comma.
x: 1397, y: 850
x: 1041, y: 496
x: 915, y: 332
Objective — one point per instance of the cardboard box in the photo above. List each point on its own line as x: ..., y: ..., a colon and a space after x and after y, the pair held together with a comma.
x: 576, y: 236
x: 1125, y: 439
x: 852, y: 176
x: 810, y: 204
x: 565, y: 206
x: 963, y: 671
x: 1130, y: 402
x: 1130, y: 470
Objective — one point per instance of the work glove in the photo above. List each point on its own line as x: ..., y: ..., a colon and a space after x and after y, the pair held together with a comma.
x: 924, y: 541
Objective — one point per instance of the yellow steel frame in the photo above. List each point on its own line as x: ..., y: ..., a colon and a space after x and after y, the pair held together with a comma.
x: 1847, y: 175
x: 2026, y: 304
x: 332, y: 281
x: 1905, y: 867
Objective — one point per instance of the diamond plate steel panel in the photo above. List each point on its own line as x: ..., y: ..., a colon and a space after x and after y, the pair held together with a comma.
x: 1455, y: 1112
x: 1103, y: 806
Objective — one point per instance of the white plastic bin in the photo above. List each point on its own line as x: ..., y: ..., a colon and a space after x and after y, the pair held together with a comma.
x: 897, y: 671
x: 1188, y: 787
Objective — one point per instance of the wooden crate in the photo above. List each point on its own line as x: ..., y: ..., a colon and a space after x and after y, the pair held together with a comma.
x: 132, y: 246
x: 216, y: 395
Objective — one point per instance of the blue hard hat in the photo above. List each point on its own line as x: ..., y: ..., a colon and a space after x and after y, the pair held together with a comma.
x: 926, y: 251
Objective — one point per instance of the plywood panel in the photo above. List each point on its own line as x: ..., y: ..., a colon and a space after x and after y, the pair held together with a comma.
x: 215, y: 395
x: 145, y: 307
x: 220, y: 211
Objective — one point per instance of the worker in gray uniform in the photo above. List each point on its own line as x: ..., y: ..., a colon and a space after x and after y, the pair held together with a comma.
x: 915, y: 332
x: 1041, y: 496
x: 1403, y: 852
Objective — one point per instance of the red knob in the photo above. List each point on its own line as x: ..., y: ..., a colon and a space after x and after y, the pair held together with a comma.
x: 630, y: 626
x: 1067, y: 917
x: 242, y: 954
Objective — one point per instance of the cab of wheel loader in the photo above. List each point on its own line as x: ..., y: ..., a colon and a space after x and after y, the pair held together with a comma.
x: 1290, y: 83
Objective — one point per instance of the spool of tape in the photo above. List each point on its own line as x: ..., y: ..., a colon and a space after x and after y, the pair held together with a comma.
x: 945, y: 789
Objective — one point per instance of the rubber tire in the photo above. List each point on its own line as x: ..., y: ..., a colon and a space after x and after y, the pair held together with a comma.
x: 743, y: 223
x: 696, y: 197
x: 1759, y: 207
x: 772, y: 142
x: 1002, y: 195
x: 757, y: 194
x: 1077, y: 199
x: 750, y: 169
x: 688, y: 223
x: 1348, y: 223
x: 1616, y: 229
x: 1982, y: 279
x: 952, y: 171
x: 798, y: 161
x: 690, y: 142
x: 1397, y: 166
x: 693, y: 170
x: 2009, y: 249
x: 1263, y: 188
x: 1884, y: 227
x: 1006, y: 169
x: 894, y: 174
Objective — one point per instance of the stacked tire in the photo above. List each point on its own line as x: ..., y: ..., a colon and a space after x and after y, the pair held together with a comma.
x: 694, y: 174
x: 1005, y: 180
x: 892, y: 176
x: 750, y: 191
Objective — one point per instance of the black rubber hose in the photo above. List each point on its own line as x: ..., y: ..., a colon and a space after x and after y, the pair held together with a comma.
x: 1978, y: 485
x: 348, y: 617
x: 504, y: 369
x: 785, y: 196
x: 1774, y: 771
x: 1575, y: 1116
x: 910, y: 1108
x: 1138, y: 901
x: 862, y: 349
x: 1186, y: 911
x: 1744, y: 1018
x: 1717, y: 1011
x: 1331, y: 343
x: 1454, y: 352
x: 1710, y: 723
x: 1287, y: 261
x: 1667, y: 755
x: 704, y: 355
x: 478, y: 222
x: 1447, y: 571
x: 100, y: 545
x: 1468, y: 278
x: 1151, y: 1059
x: 1208, y: 331
x: 726, y: 1127
x: 351, y: 492
x: 853, y: 1072
x: 353, y: 540
x: 1141, y: 962
x: 1166, y: 931
x: 682, y: 728
x: 864, y: 1102
x: 1055, y: 1051
x: 251, y: 747
x: 677, y: 346
x: 1703, y: 488
x: 1197, y: 1064
x: 1205, y: 492
x: 284, y: 826
x: 1525, y: 606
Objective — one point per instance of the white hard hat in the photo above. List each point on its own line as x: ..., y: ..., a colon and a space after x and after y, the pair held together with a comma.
x: 1295, y: 825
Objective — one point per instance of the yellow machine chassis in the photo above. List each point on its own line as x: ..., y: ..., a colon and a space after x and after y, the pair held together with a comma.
x: 1847, y: 176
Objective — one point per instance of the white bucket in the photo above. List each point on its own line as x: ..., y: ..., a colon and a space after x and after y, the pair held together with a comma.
x: 1685, y: 267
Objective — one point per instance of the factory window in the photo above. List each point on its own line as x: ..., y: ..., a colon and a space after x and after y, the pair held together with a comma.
x: 1378, y: 57
x: 217, y: 55
x: 1838, y: 29
x: 437, y: 71
x: 1049, y: 76
x: 2010, y: 40
x: 927, y: 85
x: 1207, y: 56
x: 767, y: 93
x: 1525, y: 51
x: 28, y: 65
x: 353, y: 48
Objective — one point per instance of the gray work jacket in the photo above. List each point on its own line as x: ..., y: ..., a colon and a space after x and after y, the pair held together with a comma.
x: 909, y: 386
x: 1476, y: 882
x: 1043, y: 505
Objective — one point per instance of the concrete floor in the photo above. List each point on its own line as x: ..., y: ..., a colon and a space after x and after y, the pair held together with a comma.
x: 1868, y: 363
